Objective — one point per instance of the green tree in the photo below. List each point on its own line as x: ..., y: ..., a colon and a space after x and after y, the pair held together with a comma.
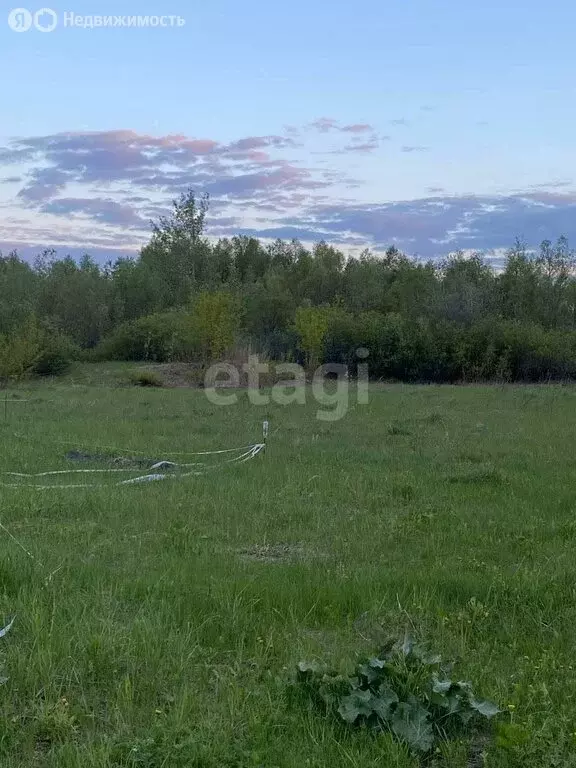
x: 178, y: 254
x: 20, y: 350
x: 312, y: 325
x: 215, y: 322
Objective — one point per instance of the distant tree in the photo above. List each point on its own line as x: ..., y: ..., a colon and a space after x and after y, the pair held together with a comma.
x: 18, y: 292
x: 556, y: 263
x: 75, y: 300
x: 187, y: 220
x: 312, y: 325
x: 177, y: 253
x: 214, y: 322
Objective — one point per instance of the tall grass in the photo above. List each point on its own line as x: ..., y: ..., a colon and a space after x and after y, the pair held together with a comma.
x: 176, y: 611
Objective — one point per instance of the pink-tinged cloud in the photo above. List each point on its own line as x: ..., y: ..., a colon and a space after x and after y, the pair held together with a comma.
x: 324, y: 124
x: 139, y: 174
x: 329, y: 124
x: 357, y: 128
x: 365, y: 146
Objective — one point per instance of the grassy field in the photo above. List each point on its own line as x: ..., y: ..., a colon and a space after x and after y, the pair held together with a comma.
x: 176, y: 611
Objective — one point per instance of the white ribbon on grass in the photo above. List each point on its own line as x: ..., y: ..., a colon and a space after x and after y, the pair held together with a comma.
x: 248, y: 453
x: 7, y: 629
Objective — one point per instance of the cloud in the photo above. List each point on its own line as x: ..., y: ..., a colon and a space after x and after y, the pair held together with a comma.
x: 106, y: 211
x: 357, y: 128
x: 324, y: 124
x: 258, y: 142
x: 251, y: 184
x: 329, y: 124
x: 434, y: 226
x: 362, y: 146
x: 165, y: 164
x: 558, y: 184
x: 98, y: 190
x: 29, y: 251
x: 43, y: 184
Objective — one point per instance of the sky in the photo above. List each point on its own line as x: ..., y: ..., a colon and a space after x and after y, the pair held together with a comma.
x: 432, y: 126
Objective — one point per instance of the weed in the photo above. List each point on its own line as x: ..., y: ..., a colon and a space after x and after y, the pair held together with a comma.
x: 404, y: 690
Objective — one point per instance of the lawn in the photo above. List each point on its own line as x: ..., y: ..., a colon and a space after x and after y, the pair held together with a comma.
x: 159, y: 625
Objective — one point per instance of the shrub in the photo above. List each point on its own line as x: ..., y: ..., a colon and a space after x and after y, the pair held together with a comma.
x: 55, y: 357
x: 404, y: 690
x: 163, y: 337
x: 20, y: 350
x: 311, y: 324
x: 214, y: 322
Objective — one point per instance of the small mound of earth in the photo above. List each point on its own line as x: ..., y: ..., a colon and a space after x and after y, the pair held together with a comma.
x: 275, y: 553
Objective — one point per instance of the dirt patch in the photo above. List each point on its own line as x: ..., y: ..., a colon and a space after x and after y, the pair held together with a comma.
x: 137, y: 462
x: 477, y: 474
x: 176, y: 375
x: 277, y: 553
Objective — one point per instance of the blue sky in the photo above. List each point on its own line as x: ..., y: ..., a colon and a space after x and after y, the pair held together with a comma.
x: 433, y: 126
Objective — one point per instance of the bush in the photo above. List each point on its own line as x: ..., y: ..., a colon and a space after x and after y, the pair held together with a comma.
x: 55, y: 357
x: 516, y: 351
x: 399, y: 349
x: 20, y: 350
x: 214, y: 322
x: 163, y: 337
x: 442, y: 351
x: 403, y: 690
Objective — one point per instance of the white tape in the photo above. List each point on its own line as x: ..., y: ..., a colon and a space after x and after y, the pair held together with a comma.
x: 7, y: 629
x: 248, y: 453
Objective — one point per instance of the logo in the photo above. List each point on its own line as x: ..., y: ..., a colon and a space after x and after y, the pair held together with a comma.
x: 45, y: 20
x: 22, y: 20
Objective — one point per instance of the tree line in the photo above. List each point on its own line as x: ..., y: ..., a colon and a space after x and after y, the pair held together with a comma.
x: 189, y: 298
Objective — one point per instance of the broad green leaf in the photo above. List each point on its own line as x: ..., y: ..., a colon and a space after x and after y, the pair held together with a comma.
x: 440, y: 686
x: 485, y: 708
x: 372, y: 670
x: 384, y: 702
x: 454, y: 703
x: 411, y: 725
x: 358, y: 704
x: 377, y: 663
